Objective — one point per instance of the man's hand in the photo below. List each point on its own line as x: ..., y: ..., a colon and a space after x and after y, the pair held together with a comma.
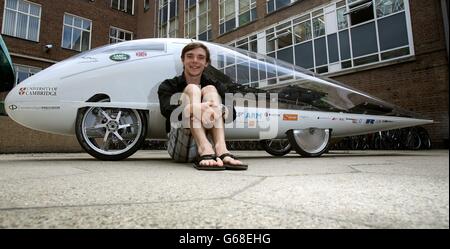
x: 210, y: 114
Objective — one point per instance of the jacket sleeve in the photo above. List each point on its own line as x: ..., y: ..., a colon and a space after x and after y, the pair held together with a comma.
x: 165, y: 92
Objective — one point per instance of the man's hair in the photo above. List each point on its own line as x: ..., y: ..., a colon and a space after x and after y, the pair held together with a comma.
x: 194, y: 45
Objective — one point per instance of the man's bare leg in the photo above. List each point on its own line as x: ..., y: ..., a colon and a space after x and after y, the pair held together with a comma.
x: 210, y: 94
x: 204, y: 147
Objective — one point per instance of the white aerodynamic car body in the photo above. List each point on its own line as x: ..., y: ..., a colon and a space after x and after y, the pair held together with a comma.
x: 107, y: 97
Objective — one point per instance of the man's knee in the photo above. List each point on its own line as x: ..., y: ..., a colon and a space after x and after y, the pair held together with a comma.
x: 192, y: 89
x: 209, y: 90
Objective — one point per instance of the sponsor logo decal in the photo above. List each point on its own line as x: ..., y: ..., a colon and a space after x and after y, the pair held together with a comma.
x: 249, y: 115
x: 290, y: 117
x: 370, y: 121
x: 38, y: 91
x: 141, y: 54
x: 12, y: 107
x: 87, y: 59
x: 119, y: 57
x: 44, y: 108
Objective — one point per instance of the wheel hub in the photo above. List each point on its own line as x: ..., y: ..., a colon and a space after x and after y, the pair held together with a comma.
x: 112, y: 126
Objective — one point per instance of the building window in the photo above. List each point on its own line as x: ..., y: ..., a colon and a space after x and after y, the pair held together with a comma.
x: 332, y: 38
x: 197, y: 19
x: 119, y: 35
x: 146, y: 5
x: 22, y: 19
x: 76, y: 33
x: 168, y: 18
x: 23, y: 72
x: 230, y: 18
x: 126, y: 6
x: 247, y: 11
x: 273, y: 5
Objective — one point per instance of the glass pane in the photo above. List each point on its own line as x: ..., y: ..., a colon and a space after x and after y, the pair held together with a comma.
x: 361, y: 16
x: 244, y: 5
x: 67, y: 36
x: 395, y: 53
x: 284, y: 38
x: 33, y: 29
x: 21, y: 30
x: 128, y: 36
x: 282, y: 3
x: 270, y: 6
x: 386, y: 7
x: 10, y: 20
x: 304, y: 55
x: 244, y: 18
x: 35, y: 9
x: 341, y: 19
x: 231, y: 72
x: 112, y: 32
x: 23, y: 6
x: 365, y: 60
x: 12, y: 4
x: 121, y: 35
x: 85, y: 41
x: 320, y: 49
x: 318, y: 26
x: 344, y: 45
x: 129, y: 8
x: 229, y: 9
x: 333, y: 52
x: 68, y: 20
x: 253, y: 71
x: 392, y: 31
x: 86, y: 24
x: 243, y: 73
x: 364, y: 40
x: 270, y: 43
x: 230, y: 25
x: 286, y: 55
x: 202, y: 23
x: 302, y: 32
x: 203, y: 6
x: 77, y: 22
x: 76, y: 39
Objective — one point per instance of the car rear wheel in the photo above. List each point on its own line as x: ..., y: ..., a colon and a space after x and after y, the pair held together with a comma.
x: 276, y: 147
x: 312, y: 142
x: 110, y: 133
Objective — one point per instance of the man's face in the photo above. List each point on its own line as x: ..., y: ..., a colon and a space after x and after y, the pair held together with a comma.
x: 194, y: 62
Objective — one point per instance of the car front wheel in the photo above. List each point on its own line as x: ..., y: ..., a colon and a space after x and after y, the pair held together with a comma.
x: 110, y: 133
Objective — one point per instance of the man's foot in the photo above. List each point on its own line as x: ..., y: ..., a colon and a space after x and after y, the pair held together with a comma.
x: 205, y: 158
x: 231, y: 162
x: 208, y: 162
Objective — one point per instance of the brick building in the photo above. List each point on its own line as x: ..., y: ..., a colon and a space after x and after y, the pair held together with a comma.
x: 396, y: 50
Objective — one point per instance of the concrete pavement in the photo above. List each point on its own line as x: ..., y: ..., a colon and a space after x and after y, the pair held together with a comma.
x: 342, y: 189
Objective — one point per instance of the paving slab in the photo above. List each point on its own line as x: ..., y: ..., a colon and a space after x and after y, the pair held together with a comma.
x: 341, y: 189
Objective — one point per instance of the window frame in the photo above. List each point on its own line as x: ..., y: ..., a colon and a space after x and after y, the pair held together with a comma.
x: 29, y: 68
x: 117, y: 38
x: 391, y: 55
x: 125, y: 6
x: 72, y: 27
x: 17, y: 11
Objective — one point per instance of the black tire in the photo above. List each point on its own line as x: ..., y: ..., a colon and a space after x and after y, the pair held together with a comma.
x: 300, y: 146
x: 277, y: 149
x: 92, y: 144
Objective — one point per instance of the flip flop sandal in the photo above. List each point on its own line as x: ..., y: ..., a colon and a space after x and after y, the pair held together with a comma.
x: 232, y: 166
x: 198, y: 166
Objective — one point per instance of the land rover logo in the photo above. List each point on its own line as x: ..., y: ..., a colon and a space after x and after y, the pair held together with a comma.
x: 119, y: 57
x: 12, y: 107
